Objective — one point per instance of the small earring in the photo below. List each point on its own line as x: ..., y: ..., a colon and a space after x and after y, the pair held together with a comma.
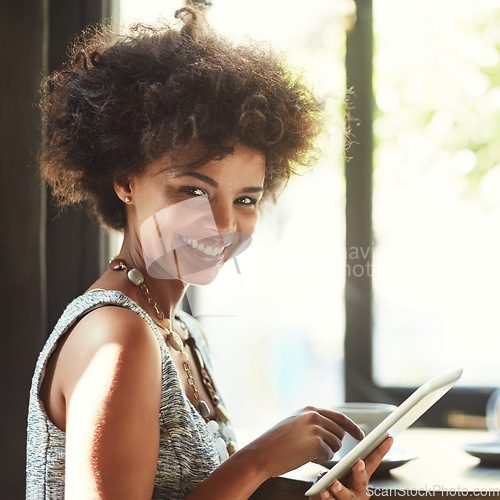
x: 128, y: 199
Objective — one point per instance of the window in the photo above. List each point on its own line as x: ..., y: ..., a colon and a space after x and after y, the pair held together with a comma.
x: 436, y: 203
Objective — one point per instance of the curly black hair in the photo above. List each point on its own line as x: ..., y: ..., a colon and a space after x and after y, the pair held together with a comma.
x: 124, y: 100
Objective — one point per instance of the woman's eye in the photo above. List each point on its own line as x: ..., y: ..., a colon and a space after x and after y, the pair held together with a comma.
x: 247, y: 200
x: 194, y: 191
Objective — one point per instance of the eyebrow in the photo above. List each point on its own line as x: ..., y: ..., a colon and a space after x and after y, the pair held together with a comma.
x: 214, y: 183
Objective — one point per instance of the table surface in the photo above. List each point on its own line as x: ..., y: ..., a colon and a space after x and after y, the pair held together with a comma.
x: 441, y: 465
x: 441, y: 461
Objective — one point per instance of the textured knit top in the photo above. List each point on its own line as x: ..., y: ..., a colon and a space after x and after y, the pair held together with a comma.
x: 187, y: 452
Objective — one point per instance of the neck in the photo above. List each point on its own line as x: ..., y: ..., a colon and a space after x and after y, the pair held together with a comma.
x: 167, y: 293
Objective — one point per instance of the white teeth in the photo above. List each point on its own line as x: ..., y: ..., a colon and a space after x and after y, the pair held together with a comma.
x: 201, y: 247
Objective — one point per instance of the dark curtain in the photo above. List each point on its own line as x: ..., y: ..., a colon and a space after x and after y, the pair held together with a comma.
x: 45, y: 259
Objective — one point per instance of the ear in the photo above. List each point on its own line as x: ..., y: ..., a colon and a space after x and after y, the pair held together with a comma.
x: 123, y: 190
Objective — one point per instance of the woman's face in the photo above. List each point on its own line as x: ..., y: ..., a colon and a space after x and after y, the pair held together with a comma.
x: 191, y: 222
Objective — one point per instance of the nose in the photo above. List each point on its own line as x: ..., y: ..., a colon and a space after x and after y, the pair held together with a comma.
x: 225, y: 218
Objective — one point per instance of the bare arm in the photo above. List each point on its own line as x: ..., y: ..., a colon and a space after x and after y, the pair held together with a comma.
x: 111, y: 379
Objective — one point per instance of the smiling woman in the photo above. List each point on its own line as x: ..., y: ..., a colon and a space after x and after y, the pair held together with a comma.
x: 172, y: 136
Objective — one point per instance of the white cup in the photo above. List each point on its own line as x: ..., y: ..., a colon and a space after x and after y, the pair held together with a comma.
x: 366, y: 415
x: 493, y: 413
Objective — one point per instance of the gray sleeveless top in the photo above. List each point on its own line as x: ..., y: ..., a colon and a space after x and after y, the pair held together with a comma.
x: 187, y: 452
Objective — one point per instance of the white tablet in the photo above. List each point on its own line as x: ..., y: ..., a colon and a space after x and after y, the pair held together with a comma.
x: 401, y: 418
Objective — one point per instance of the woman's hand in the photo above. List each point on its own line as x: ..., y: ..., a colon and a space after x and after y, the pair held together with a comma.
x: 309, y: 435
x: 356, y: 484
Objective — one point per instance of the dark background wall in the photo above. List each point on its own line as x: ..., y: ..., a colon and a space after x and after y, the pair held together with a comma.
x: 45, y: 259
x: 21, y: 254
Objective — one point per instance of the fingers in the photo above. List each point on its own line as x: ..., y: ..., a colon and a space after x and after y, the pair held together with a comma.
x: 376, y: 456
x: 323, y: 431
x: 358, y: 487
x: 329, y: 428
x: 326, y: 434
x: 344, y: 422
x: 360, y: 477
x: 358, y: 480
x: 335, y: 489
x: 332, y: 445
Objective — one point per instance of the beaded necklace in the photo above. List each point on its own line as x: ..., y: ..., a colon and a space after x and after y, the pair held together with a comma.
x: 174, y: 340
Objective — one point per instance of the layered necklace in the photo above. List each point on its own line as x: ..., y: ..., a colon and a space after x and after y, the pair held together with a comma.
x: 174, y: 340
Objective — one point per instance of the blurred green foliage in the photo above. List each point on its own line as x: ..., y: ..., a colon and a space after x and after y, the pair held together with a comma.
x: 437, y: 86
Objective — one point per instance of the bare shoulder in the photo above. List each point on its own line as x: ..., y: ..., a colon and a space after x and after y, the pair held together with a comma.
x: 111, y: 324
x: 113, y: 347
x: 112, y: 329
